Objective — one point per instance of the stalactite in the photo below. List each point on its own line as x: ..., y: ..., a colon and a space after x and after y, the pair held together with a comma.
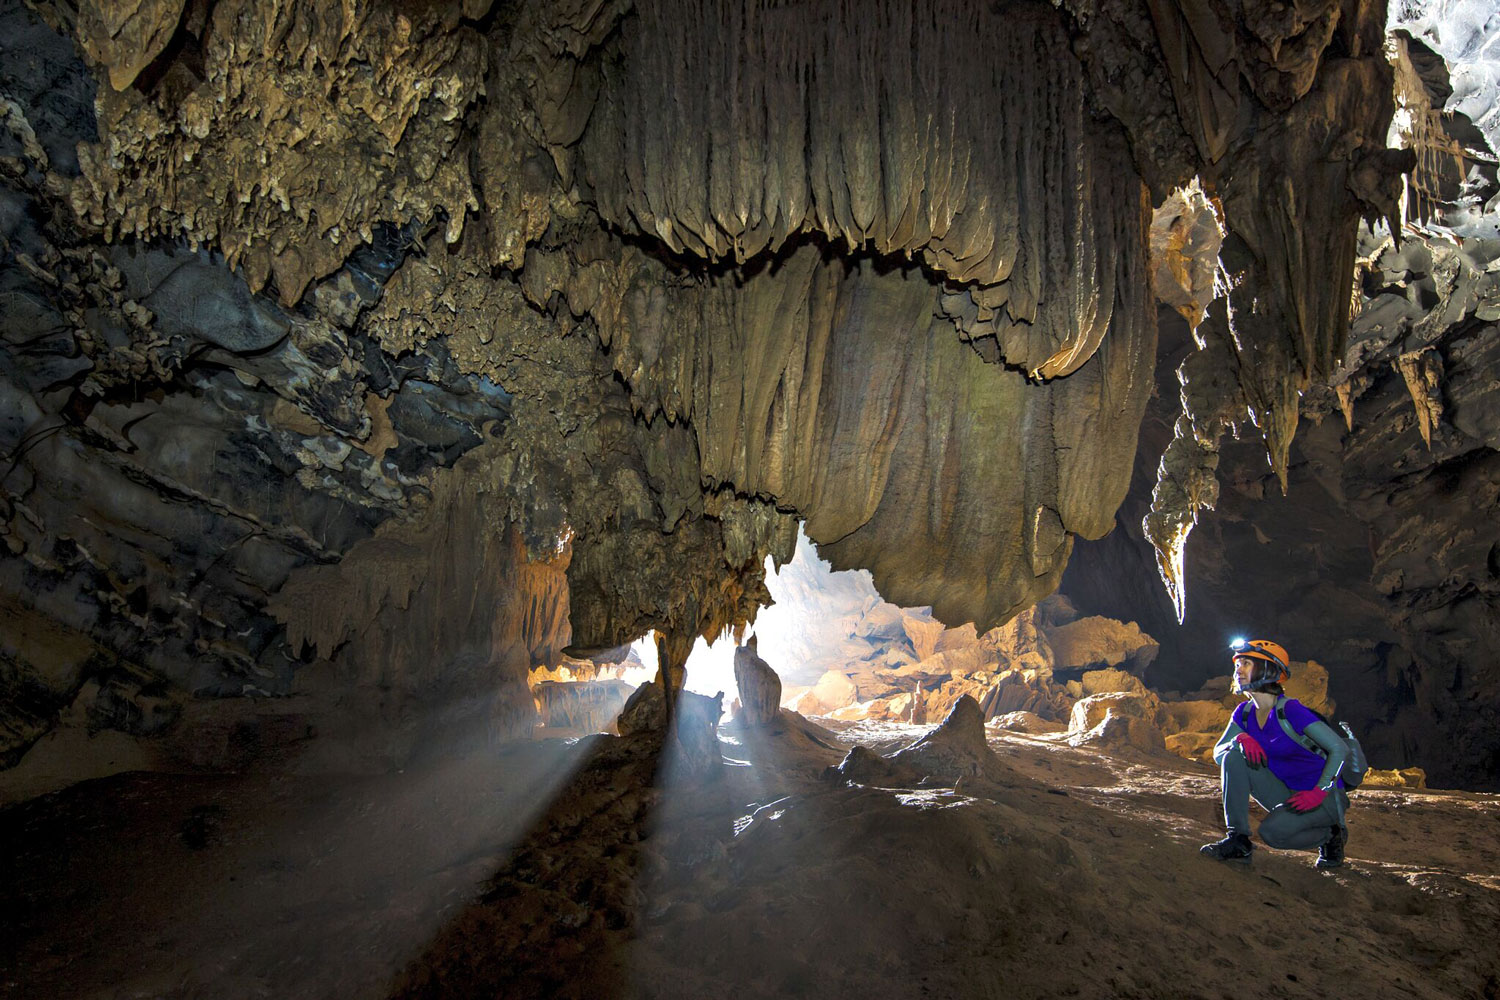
x: 959, y: 135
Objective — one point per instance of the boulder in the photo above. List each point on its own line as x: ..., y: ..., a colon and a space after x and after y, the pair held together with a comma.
x: 963, y: 637
x: 923, y: 632
x: 1193, y: 746
x: 1025, y: 722
x: 1194, y: 717
x: 1089, y: 711
x: 1098, y: 641
x: 833, y: 691
x: 759, y: 687
x: 941, y: 701
x: 645, y: 711
x: 1021, y: 644
x: 1116, y: 721
x: 1407, y: 777
x: 1110, y: 681
x: 955, y: 749
x: 1309, y: 685
x: 1024, y: 691
x: 907, y: 706
x: 1215, y: 688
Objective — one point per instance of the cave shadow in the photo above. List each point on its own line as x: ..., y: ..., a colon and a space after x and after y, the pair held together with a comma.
x: 295, y: 881
x: 558, y: 918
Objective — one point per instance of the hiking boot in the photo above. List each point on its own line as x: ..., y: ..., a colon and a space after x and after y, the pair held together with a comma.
x: 1234, y: 847
x: 1331, y: 853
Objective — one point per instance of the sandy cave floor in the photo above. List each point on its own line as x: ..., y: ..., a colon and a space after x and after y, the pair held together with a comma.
x: 582, y: 869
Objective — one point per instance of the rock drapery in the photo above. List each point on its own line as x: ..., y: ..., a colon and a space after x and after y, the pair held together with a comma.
x: 1290, y: 193
x: 883, y: 270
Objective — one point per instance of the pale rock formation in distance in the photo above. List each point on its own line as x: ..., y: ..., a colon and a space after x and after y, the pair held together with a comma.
x: 759, y: 687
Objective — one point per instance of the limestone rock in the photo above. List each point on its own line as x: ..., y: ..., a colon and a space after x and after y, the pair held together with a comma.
x: 1025, y: 722
x: 645, y: 711
x: 923, y: 633
x: 1090, y: 711
x: 1185, y: 241
x: 955, y: 749
x: 1309, y: 685
x: 1023, y: 644
x: 377, y: 98
x: 1406, y: 777
x: 1195, y: 717
x: 575, y: 360
x: 125, y: 38
x: 1098, y: 641
x: 905, y: 707
x: 1193, y: 745
x: 833, y: 691
x: 589, y: 706
x: 866, y: 767
x: 1109, y: 681
x: 1117, y: 720
x: 694, y: 753
x: 1024, y: 690
x: 759, y: 687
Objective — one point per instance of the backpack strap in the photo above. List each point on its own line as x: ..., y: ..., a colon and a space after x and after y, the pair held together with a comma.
x: 1286, y: 726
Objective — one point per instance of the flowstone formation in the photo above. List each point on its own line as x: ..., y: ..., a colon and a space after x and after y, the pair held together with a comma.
x: 1278, y: 322
x: 382, y: 355
x: 1379, y: 561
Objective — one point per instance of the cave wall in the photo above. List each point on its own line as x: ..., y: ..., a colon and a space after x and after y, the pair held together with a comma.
x: 1379, y: 560
x: 406, y: 346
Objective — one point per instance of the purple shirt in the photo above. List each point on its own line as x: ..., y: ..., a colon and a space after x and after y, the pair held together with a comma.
x: 1297, y: 767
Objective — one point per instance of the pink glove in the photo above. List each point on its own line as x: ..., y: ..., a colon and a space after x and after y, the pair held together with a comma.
x: 1306, y: 802
x: 1254, y: 754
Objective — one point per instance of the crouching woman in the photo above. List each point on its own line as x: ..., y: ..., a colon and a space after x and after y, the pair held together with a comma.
x: 1264, y: 753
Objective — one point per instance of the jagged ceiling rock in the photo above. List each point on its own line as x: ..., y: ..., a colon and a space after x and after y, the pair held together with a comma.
x: 1037, y: 270
x: 1455, y: 175
x: 125, y: 39
x: 837, y: 390
x: 1291, y: 191
x: 885, y: 270
x: 280, y: 135
x: 960, y: 135
x: 1380, y: 561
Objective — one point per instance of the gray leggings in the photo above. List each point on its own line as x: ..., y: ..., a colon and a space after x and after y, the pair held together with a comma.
x: 1282, y: 828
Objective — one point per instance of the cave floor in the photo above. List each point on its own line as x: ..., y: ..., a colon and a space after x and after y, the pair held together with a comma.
x: 583, y: 869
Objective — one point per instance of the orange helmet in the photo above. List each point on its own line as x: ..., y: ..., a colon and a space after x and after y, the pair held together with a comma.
x: 1274, y: 666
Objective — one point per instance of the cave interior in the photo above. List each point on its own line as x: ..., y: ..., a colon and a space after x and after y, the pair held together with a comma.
x: 685, y: 498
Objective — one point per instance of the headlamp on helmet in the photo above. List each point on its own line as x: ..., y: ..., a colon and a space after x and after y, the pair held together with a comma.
x: 1273, y: 665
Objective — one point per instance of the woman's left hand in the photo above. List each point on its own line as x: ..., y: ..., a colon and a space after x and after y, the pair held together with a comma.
x: 1306, y: 802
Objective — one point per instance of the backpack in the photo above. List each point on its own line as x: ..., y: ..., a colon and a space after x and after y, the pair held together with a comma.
x: 1354, y: 769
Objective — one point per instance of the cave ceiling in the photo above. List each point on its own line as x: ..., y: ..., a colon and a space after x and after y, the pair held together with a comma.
x: 322, y: 320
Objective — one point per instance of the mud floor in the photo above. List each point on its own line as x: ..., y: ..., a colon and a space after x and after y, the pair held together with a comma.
x: 596, y: 868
